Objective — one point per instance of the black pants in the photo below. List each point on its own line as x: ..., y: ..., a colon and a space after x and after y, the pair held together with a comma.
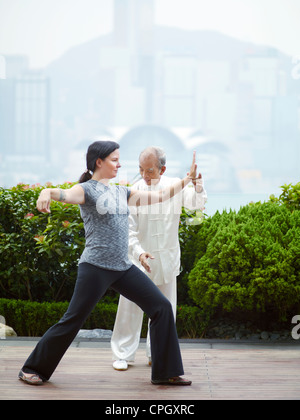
x: 92, y: 282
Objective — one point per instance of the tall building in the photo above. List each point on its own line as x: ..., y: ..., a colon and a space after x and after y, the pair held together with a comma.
x: 31, y: 97
x: 133, y: 30
x: 178, y: 93
x: 24, y: 119
x: 133, y: 25
x: 24, y: 115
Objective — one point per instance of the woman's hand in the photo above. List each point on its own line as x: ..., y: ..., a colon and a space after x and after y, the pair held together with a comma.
x: 44, y: 200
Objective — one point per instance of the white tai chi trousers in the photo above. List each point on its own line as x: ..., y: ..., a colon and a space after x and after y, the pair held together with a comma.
x: 128, y: 324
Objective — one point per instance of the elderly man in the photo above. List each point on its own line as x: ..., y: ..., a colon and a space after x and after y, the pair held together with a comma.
x: 154, y: 247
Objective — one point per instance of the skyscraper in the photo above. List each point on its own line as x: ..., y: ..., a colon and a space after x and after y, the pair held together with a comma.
x: 24, y: 119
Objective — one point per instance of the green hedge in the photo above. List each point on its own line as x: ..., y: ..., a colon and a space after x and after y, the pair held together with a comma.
x: 248, y: 262
x: 33, y: 319
x: 39, y: 252
x: 289, y: 197
x: 244, y: 263
x: 39, y: 256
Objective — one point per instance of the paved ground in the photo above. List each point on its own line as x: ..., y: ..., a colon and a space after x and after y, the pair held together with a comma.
x: 219, y: 369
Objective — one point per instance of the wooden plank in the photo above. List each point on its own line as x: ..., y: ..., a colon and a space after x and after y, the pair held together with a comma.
x: 87, y: 373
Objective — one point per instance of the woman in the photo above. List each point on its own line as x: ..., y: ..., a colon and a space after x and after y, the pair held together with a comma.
x: 104, y: 263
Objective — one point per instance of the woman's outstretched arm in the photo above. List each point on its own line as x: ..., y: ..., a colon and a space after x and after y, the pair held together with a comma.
x: 74, y: 195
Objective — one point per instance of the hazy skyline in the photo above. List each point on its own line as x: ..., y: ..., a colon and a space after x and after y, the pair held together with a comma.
x: 236, y: 102
x: 44, y: 30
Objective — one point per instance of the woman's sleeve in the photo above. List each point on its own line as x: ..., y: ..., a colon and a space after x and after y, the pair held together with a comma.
x: 86, y: 189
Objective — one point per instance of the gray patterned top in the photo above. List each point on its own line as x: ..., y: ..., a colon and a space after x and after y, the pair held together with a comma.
x: 105, y: 217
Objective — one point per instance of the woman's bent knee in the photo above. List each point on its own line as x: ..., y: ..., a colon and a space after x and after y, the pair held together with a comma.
x: 164, y: 308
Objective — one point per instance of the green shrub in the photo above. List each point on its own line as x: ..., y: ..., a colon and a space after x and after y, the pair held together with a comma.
x: 39, y: 252
x: 189, y: 226
x: 290, y: 196
x: 190, y: 322
x: 33, y: 319
x: 245, y: 262
x: 249, y: 261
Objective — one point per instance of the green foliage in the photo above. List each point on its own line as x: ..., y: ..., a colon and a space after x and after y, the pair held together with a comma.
x: 244, y: 263
x: 33, y: 319
x: 189, y: 225
x: 190, y: 322
x: 249, y: 261
x: 290, y: 196
x: 39, y: 252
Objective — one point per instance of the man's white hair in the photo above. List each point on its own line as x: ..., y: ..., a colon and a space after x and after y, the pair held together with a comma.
x: 156, y: 151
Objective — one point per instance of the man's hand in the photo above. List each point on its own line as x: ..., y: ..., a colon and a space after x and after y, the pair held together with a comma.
x: 193, y: 171
x: 198, y: 183
x: 143, y: 260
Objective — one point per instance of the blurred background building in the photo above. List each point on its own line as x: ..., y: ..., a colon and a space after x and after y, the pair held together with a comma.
x: 233, y: 102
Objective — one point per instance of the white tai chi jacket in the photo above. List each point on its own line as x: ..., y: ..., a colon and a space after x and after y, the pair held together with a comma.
x: 154, y: 229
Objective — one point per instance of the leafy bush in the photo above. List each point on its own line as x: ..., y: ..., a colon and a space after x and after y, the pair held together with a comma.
x: 39, y: 252
x: 190, y: 322
x: 249, y: 261
x: 290, y: 196
x: 245, y: 262
x: 190, y: 222
x: 33, y: 319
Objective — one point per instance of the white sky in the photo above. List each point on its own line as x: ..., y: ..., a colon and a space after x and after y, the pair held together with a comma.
x: 45, y: 29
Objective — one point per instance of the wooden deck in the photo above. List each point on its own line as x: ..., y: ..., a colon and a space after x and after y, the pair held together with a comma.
x: 86, y: 373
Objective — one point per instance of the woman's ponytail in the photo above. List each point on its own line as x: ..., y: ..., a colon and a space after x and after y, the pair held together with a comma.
x: 87, y: 175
